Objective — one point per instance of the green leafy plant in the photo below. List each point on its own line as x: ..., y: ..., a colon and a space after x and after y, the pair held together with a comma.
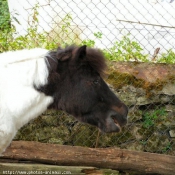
x: 91, y: 43
x: 167, y: 147
x: 150, y: 118
x: 5, y: 22
x: 126, y: 50
x: 64, y: 33
x: 10, y: 39
x: 59, y: 36
x: 168, y: 57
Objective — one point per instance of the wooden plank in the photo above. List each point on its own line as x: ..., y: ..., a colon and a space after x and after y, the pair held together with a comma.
x: 22, y: 168
x: 107, y: 158
x: 14, y: 168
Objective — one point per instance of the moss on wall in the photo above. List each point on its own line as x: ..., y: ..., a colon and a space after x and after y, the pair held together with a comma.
x: 149, y: 124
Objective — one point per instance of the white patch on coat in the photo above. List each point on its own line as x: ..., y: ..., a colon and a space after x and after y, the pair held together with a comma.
x: 19, y: 101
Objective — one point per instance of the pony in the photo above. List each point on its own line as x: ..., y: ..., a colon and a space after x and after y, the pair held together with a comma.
x: 68, y: 79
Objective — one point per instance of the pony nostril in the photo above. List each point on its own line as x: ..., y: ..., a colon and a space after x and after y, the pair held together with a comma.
x: 118, y: 119
x: 115, y: 120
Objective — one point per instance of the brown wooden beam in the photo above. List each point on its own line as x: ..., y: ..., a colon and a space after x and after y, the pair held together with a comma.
x: 112, y: 158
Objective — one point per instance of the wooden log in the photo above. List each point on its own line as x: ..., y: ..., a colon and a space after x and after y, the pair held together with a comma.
x: 112, y: 158
x: 21, y: 168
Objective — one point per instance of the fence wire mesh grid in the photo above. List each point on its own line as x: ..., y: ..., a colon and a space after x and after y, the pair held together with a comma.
x: 128, y: 33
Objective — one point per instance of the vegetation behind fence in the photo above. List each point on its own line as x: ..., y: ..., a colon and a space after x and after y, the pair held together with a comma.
x: 151, y: 99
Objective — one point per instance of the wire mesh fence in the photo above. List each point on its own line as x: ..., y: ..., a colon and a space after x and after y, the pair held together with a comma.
x: 137, y: 35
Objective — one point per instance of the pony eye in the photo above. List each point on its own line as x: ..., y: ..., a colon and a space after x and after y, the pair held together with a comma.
x: 96, y: 82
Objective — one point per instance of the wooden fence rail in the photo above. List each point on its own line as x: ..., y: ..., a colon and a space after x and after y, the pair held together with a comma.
x: 112, y: 158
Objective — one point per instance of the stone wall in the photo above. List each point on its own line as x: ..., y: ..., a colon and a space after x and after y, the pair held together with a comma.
x: 149, y: 91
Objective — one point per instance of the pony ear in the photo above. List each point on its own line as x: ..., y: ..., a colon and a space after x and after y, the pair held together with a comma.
x: 81, y: 52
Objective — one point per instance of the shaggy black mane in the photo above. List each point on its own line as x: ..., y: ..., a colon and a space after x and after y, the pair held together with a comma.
x: 94, y: 57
